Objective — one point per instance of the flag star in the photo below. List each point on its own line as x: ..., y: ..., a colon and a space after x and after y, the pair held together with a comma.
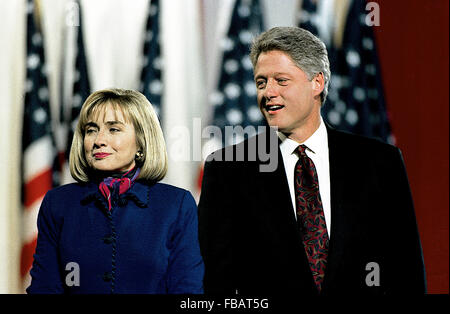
x: 367, y: 43
x: 30, y: 7
x: 227, y: 44
x: 155, y: 87
x: 29, y: 85
x: 157, y: 63
x: 39, y: 116
x: 153, y: 10
x: 359, y: 94
x: 340, y: 106
x: 362, y: 19
x: 157, y: 110
x: 304, y: 16
x: 244, y: 10
x: 351, y: 117
x: 76, y: 101
x: 76, y: 75
x: 149, y: 35
x: 250, y: 88
x: 44, y: 70
x: 33, y: 61
x: 232, y: 91
x: 254, y: 114
x: 216, y: 98
x: 43, y: 93
x: 247, y: 63
x: 370, y: 69
x: 245, y: 37
x: 36, y: 39
x: 234, y: 116
x: 352, y: 57
x: 74, y: 123
x: 144, y: 63
x: 231, y: 66
x: 333, y: 94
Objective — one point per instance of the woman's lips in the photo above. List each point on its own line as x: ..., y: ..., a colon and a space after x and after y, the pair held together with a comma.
x: 101, y: 155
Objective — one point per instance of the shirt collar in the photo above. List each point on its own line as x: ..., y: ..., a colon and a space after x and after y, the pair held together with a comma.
x: 139, y: 193
x: 317, y: 143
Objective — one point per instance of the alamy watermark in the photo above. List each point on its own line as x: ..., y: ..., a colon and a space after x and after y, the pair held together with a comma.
x: 197, y: 144
x: 73, y: 277
x: 373, y: 277
x: 373, y: 17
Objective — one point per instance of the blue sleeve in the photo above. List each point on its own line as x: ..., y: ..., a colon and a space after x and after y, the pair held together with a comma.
x: 186, y: 268
x: 45, y: 272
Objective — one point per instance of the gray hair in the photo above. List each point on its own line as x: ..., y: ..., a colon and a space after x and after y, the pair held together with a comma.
x: 307, y: 51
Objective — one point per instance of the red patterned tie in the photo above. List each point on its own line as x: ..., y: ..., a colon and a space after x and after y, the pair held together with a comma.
x: 310, y: 215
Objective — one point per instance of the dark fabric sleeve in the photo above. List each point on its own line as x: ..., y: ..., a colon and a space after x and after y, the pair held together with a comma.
x: 405, y: 271
x: 186, y: 268
x: 45, y: 272
x: 216, y: 229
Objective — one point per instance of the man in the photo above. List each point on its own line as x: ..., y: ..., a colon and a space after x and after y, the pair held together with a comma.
x: 336, y: 214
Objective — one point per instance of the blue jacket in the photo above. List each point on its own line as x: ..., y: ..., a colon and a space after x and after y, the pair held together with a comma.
x: 148, y: 243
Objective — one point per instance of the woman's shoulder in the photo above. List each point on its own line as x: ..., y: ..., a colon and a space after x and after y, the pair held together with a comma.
x: 69, y: 190
x: 167, y: 191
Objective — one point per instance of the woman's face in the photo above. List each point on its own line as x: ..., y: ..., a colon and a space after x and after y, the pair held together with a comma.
x: 109, y: 141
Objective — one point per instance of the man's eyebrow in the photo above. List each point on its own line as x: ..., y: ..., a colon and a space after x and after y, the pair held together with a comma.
x: 260, y: 76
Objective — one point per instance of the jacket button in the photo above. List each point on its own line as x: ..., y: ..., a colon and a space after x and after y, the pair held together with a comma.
x: 107, y: 276
x: 107, y: 239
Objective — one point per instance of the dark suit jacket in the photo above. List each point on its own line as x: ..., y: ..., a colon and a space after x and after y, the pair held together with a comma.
x: 148, y: 243
x: 251, y: 244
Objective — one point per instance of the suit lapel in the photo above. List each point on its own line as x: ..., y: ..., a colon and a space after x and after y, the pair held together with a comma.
x: 276, y: 213
x: 338, y: 218
x: 275, y: 200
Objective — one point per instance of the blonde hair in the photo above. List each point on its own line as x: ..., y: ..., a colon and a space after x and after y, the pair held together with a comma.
x: 137, y: 110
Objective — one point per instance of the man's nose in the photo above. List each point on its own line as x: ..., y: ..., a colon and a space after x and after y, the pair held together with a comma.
x: 271, y: 90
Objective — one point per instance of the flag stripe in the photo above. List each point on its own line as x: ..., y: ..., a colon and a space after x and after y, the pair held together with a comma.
x: 37, y: 157
x: 36, y: 187
x: 38, y: 146
x: 26, y: 259
x: 29, y: 220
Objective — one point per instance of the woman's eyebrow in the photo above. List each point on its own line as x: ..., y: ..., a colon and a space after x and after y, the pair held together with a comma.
x: 114, y: 122
x: 91, y: 124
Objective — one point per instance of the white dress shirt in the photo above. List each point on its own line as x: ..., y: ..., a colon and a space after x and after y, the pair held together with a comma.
x: 318, y: 152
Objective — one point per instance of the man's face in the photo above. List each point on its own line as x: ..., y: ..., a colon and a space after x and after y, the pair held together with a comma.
x: 286, y: 97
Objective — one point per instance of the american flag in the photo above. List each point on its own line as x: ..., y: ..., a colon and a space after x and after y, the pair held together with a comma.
x: 151, y: 81
x: 80, y: 91
x: 355, y: 100
x: 234, y: 100
x: 38, y: 149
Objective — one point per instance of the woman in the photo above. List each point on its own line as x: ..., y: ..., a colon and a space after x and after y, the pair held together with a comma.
x: 117, y: 230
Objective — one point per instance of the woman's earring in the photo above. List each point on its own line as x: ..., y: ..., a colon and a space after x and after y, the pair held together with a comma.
x: 139, y: 155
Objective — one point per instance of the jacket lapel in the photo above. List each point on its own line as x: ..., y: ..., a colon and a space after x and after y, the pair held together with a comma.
x: 338, y: 218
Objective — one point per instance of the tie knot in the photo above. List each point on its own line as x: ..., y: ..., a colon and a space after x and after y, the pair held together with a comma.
x: 301, y: 150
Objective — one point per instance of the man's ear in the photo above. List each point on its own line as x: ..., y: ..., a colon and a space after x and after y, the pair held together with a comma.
x: 318, y: 83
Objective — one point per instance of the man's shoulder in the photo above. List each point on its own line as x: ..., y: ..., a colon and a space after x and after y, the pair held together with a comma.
x: 358, y: 143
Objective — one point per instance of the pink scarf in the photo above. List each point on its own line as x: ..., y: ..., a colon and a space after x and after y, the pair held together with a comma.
x: 110, y: 185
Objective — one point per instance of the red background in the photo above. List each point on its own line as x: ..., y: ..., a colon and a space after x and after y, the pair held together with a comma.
x: 413, y: 44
